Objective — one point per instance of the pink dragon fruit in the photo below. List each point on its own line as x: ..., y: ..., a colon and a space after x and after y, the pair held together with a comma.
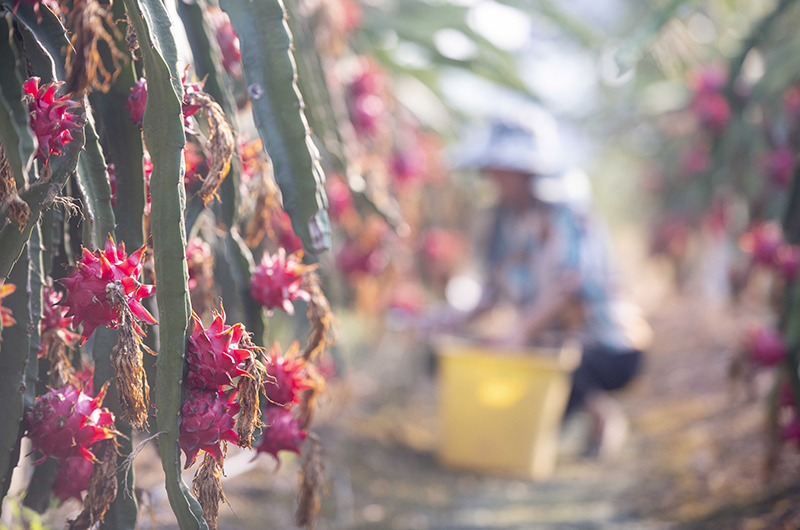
x: 66, y: 422
x: 55, y: 325
x: 207, y: 420
x: 766, y: 346
x: 763, y: 242
x: 214, y: 354
x: 288, y: 376
x: 86, y: 287
x: 277, y: 281
x: 282, y: 432
x: 137, y: 101
x: 49, y: 117
x: 5, y: 313
x: 709, y: 104
x: 72, y: 478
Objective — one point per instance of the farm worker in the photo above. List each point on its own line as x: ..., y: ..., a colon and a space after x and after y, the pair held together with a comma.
x: 549, y: 257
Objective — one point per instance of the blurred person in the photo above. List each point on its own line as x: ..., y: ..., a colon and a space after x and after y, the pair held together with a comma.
x: 549, y: 258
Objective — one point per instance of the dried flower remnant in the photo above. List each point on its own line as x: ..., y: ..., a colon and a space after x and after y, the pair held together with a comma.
x: 126, y: 358
x: 18, y: 209
x: 220, y: 144
x: 49, y: 117
x: 320, y: 316
x: 91, y: 23
x: 102, y: 489
x: 248, y: 395
x: 207, y: 488
x: 312, y: 484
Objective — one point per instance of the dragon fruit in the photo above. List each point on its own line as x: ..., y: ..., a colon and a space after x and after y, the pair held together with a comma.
x: 788, y: 260
x: 281, y: 433
x: 779, y: 166
x: 214, y: 354
x: 66, y: 422
x: 207, y: 420
x: 5, y: 313
x: 49, y: 117
x: 86, y: 287
x: 288, y: 376
x: 137, y: 101
x: 340, y: 200
x: 766, y: 346
x: 228, y: 41
x: 763, y: 242
x: 72, y: 478
x: 277, y: 281
x: 55, y: 325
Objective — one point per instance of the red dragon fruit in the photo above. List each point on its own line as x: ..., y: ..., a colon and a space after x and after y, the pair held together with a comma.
x: 207, y: 420
x: 340, y: 200
x: 85, y: 379
x: 66, y: 422
x: 55, y: 325
x: 137, y: 101
x: 282, y: 227
x: 86, y: 287
x: 763, y: 242
x: 779, y: 166
x: 788, y: 260
x: 49, y: 117
x: 282, y: 432
x: 288, y: 376
x: 72, y: 478
x: 766, y: 346
x: 214, y: 353
x: 5, y: 313
x: 228, y: 41
x: 709, y: 104
x: 277, y: 281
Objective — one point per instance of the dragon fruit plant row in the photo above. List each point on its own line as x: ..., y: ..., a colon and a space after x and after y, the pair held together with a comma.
x: 124, y: 187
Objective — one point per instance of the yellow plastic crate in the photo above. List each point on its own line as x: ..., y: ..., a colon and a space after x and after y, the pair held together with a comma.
x: 500, y: 412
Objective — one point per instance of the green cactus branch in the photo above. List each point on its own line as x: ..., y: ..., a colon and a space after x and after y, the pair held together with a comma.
x: 278, y: 108
x: 164, y: 135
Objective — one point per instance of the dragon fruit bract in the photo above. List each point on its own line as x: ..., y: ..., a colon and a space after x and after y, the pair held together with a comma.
x: 207, y: 420
x: 282, y: 432
x: 49, y: 118
x: 72, y: 478
x: 66, y: 422
x: 214, y: 353
x: 86, y: 287
x: 277, y: 281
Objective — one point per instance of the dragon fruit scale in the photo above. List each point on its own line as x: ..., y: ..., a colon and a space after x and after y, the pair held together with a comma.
x: 49, y: 117
x: 277, y: 281
x: 207, y: 418
x: 282, y: 432
x: 66, y: 422
x: 214, y: 354
x: 72, y: 478
x: 87, y: 298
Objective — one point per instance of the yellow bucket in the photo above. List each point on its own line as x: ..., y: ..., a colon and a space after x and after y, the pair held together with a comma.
x: 501, y: 412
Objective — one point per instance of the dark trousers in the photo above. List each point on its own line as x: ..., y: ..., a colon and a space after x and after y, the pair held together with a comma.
x: 602, y: 369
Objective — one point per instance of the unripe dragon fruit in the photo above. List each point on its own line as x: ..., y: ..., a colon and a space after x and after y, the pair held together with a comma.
x: 288, y: 376
x: 137, y: 101
x: 207, y: 419
x: 214, y: 354
x: 72, y: 478
x: 49, y: 117
x: 277, y: 281
x: 5, y: 313
x: 66, y: 422
x: 282, y: 432
x: 55, y: 325
x: 766, y: 346
x: 86, y: 287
